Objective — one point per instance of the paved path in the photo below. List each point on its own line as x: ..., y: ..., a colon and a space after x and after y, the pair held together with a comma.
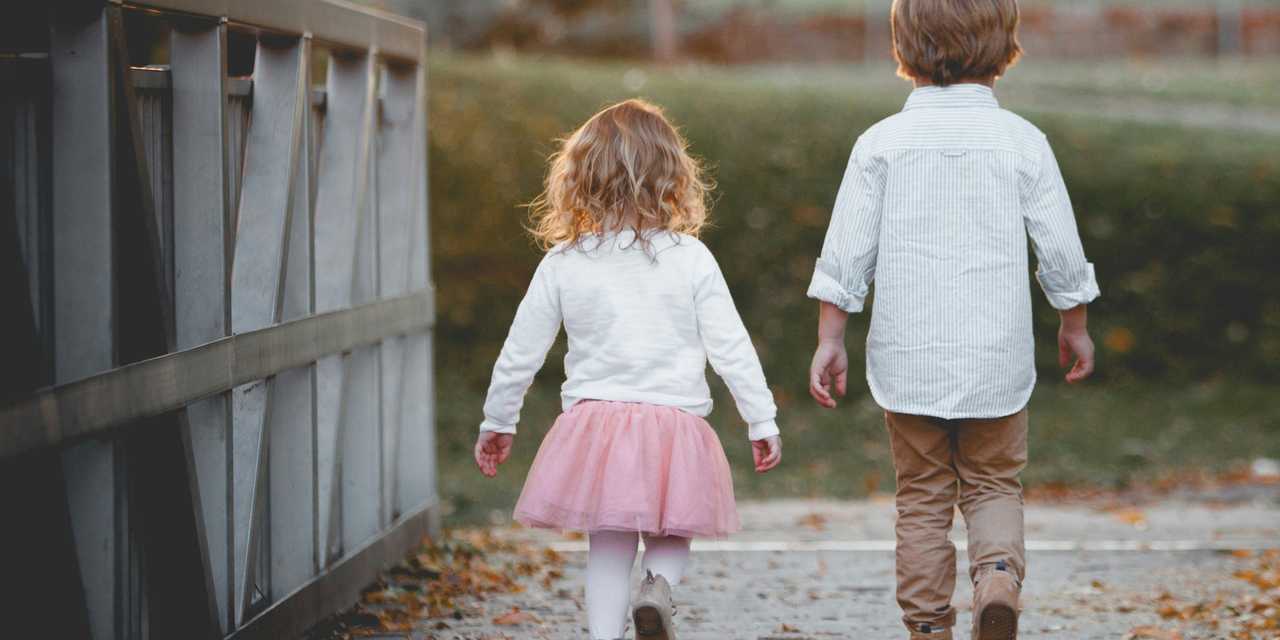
x: 823, y: 569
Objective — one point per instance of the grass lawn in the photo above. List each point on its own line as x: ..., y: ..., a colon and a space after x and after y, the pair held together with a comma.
x: 1108, y: 436
x: 1244, y: 83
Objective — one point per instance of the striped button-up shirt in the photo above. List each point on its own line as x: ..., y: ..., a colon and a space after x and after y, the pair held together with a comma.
x: 936, y: 207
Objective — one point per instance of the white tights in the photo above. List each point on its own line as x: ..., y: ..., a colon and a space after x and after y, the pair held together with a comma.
x: 609, y: 562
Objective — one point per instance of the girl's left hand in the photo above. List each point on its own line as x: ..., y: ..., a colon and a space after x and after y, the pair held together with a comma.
x: 492, y: 450
x: 767, y: 453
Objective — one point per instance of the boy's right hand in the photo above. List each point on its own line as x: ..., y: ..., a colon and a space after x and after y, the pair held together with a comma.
x: 1075, y: 344
x: 830, y: 365
x: 492, y: 450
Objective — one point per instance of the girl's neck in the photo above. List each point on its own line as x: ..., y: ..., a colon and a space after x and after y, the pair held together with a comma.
x: 628, y: 227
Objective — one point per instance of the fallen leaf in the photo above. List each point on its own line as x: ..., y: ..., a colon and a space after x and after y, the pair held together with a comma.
x: 1148, y: 632
x: 1133, y: 517
x: 815, y: 521
x: 515, y: 616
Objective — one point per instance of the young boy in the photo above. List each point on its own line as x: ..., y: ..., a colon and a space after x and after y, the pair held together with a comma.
x: 936, y: 206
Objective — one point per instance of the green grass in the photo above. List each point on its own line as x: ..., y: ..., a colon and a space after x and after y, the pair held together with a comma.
x: 1105, y: 436
x: 1246, y: 83
x: 1239, y: 82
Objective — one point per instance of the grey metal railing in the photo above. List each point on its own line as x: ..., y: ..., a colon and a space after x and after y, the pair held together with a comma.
x: 217, y: 411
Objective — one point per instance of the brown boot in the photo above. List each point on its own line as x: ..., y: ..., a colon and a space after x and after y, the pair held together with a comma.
x: 995, y: 603
x: 931, y: 633
x: 653, y: 610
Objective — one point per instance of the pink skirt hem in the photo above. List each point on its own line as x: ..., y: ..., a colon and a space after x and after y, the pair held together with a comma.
x: 617, y: 466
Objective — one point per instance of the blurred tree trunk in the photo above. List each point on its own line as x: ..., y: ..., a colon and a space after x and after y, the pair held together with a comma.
x: 662, y: 30
x: 877, y: 39
x: 1230, y: 28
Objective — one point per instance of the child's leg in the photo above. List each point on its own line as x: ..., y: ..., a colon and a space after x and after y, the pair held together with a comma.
x: 609, y: 560
x: 990, y: 455
x: 926, y: 497
x: 666, y: 556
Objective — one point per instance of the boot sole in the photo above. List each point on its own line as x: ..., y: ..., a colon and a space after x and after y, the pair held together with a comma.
x: 997, y: 622
x: 649, y: 624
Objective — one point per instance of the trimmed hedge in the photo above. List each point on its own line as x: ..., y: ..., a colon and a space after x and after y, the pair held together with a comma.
x: 1181, y: 223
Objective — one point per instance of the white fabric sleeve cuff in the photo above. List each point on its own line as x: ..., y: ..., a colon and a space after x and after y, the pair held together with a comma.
x: 494, y: 427
x: 826, y: 288
x: 762, y: 430
x: 1067, y: 290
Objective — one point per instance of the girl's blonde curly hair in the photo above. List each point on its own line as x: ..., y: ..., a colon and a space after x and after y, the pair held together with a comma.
x: 627, y: 168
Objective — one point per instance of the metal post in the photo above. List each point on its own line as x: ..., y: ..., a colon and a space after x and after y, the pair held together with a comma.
x: 84, y: 301
x: 38, y: 548
x: 395, y: 167
x: 415, y: 486
x: 272, y: 149
x: 168, y: 571
x: 201, y: 279
x: 292, y: 519
x: 340, y: 210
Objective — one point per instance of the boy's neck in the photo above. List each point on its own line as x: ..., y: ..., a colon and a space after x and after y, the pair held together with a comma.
x: 986, y: 82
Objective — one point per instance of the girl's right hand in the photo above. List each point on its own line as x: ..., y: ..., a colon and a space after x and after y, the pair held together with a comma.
x: 767, y: 453
x: 492, y: 450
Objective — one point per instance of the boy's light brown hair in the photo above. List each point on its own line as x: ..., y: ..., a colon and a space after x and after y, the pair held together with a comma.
x: 945, y: 42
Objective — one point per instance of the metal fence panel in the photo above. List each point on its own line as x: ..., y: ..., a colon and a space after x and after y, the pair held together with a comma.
x: 232, y: 291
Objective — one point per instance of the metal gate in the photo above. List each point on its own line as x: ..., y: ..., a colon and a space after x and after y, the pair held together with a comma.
x: 216, y: 417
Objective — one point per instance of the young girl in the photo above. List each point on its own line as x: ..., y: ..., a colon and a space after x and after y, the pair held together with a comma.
x: 644, y: 306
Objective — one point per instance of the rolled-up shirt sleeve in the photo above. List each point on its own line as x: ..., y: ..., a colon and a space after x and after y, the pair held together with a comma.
x: 534, y: 330
x: 847, y: 265
x: 1067, y: 278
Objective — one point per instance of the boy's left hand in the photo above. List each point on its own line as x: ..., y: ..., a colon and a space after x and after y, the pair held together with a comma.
x: 492, y: 450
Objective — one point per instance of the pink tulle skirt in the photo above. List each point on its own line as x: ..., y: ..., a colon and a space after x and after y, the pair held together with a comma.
x: 622, y: 466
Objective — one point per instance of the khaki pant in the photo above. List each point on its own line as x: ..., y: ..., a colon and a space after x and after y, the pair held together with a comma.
x: 941, y: 464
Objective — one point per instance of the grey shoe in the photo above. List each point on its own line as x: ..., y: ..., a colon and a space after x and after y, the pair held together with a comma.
x: 653, y: 610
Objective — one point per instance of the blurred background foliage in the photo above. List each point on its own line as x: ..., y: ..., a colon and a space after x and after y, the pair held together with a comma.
x: 833, y: 30
x: 1165, y: 118
x: 1181, y: 222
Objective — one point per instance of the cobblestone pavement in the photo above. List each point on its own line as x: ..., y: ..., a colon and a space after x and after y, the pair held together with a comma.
x: 823, y: 569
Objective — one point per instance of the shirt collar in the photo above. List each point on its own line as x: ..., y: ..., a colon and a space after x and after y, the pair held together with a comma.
x: 659, y: 240
x: 956, y: 95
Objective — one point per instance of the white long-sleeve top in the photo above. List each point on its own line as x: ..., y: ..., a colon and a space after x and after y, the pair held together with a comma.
x: 641, y: 327
x: 936, y: 207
